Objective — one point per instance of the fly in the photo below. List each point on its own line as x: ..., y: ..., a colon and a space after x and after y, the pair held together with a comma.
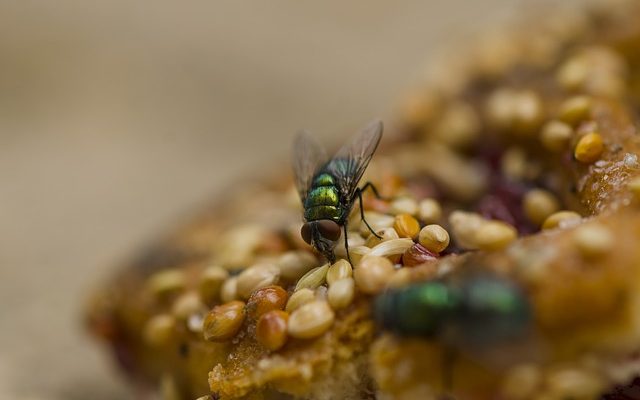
x: 329, y: 188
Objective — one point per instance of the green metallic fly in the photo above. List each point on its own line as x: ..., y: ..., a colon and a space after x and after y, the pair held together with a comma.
x: 328, y: 188
x: 471, y: 310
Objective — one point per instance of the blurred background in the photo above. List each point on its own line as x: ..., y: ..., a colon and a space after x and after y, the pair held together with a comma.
x: 118, y: 117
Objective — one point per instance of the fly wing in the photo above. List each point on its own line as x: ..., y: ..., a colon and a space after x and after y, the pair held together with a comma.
x: 350, y: 162
x: 308, y: 156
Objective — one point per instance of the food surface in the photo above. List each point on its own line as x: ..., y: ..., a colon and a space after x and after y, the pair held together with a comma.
x: 505, y: 264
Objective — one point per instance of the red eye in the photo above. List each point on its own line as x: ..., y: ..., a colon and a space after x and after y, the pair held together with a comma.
x: 305, y: 232
x: 329, y: 229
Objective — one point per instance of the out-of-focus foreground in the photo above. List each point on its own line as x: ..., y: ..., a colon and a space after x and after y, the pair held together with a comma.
x: 116, y: 117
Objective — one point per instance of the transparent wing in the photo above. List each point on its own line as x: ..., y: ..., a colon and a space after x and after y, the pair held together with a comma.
x: 308, y: 156
x: 352, y: 159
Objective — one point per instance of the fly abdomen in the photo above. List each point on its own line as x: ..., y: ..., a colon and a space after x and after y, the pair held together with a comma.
x: 323, y: 200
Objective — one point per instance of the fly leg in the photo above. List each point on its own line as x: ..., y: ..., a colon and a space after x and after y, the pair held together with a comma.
x: 359, y: 194
x: 346, y: 242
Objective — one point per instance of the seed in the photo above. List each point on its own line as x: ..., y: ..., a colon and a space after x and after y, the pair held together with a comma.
x: 372, y: 274
x: 575, y: 109
x: 429, y: 211
x: 376, y: 221
x: 495, y: 235
x: 187, y: 305
x: 528, y: 112
x: 229, y: 290
x: 341, y: 293
x: 514, y: 163
x: 417, y: 254
x: 404, y: 205
x: 224, y: 321
x: 385, y: 234
x: 271, y: 329
x: 589, y: 148
x: 339, y: 270
x: 561, y: 219
x: 211, y: 283
x: 500, y: 109
x: 593, y: 240
x: 195, y: 323
x: 555, y: 135
x: 166, y: 283
x: 266, y: 299
x: 311, y: 320
x: 392, y: 249
x: 464, y: 226
x: 573, y: 73
x: 321, y: 293
x: 313, y: 278
x: 459, y: 126
x: 159, y: 330
x: 358, y: 252
x: 294, y: 264
x: 354, y: 240
x: 521, y: 382
x: 538, y: 204
x: 434, y: 238
x: 299, y: 298
x: 257, y: 277
x: 400, y: 278
x: 406, y: 226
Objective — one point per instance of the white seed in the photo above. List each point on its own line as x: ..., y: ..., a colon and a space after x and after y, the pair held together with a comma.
x: 376, y: 221
x: 294, y: 264
x: 211, y: 283
x: 385, y: 234
x: 358, y: 252
x: 539, y: 204
x: 391, y: 248
x: 562, y: 219
x: 341, y: 293
x: 373, y: 273
x: 593, y: 240
x: 555, y: 135
x: 404, y: 205
x: 400, y: 278
x: 464, y: 226
x: 229, y: 290
x: 354, y: 240
x: 167, y: 282
x: 297, y: 299
x: 459, y: 126
x: 159, y: 329
x: 434, y: 238
x: 339, y: 270
x: 495, y: 235
x: 514, y: 163
x: 257, y: 277
x: 313, y: 278
x: 429, y: 211
x: 310, y: 320
x: 186, y: 305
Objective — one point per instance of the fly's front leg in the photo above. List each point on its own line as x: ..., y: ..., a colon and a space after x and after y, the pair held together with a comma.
x: 346, y: 242
x: 359, y: 194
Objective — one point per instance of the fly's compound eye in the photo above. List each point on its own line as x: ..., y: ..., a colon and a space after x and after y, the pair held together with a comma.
x: 305, y: 232
x: 329, y: 230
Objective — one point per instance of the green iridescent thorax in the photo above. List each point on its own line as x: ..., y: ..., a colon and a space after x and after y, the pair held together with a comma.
x: 323, y: 199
